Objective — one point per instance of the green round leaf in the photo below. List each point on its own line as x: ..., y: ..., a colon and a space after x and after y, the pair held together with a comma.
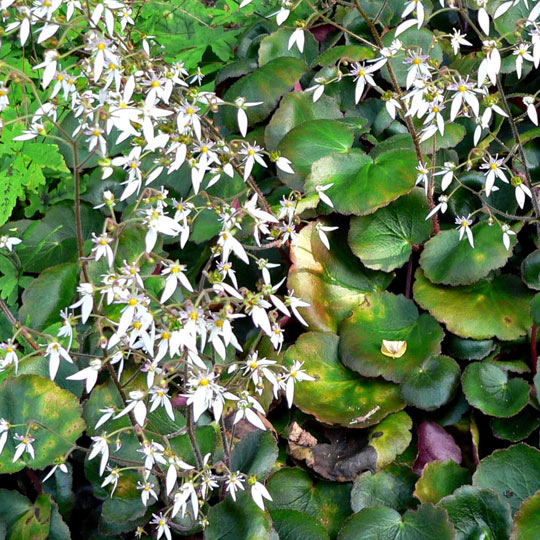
x: 386, y: 316
x: 391, y: 437
x: 384, y: 240
x: 440, y: 478
x: 488, y: 388
x: 514, y: 473
x: 255, y: 454
x: 240, y: 520
x: 327, y: 502
x: 527, y: 520
x: 296, y: 108
x: 468, y: 349
x: 451, y: 138
x: 327, y: 280
x: 294, y: 525
x: 486, y: 309
x: 308, y: 142
x: 276, y: 46
x: 33, y: 398
x: 376, y: 522
x: 448, y: 260
x: 534, y: 309
x: 530, y: 270
x: 338, y: 395
x: 46, y: 295
x: 352, y: 53
x: 517, y: 427
x: 267, y: 84
x: 478, y: 513
x: 355, y: 175
x: 431, y: 384
x: 392, y: 487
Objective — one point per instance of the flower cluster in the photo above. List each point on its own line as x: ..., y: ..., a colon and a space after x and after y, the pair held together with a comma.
x: 174, y: 347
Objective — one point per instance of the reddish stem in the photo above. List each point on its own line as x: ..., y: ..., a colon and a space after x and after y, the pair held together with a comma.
x: 534, y: 356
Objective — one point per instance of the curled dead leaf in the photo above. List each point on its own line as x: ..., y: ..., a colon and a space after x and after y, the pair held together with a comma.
x: 393, y: 349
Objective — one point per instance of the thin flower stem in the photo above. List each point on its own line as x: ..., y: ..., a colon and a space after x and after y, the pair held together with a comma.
x: 515, y: 132
x: 24, y: 332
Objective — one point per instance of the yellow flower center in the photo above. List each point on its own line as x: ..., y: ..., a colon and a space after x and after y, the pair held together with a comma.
x: 251, y: 152
x: 417, y: 61
x: 100, y: 46
x: 155, y: 84
x: 59, y: 77
x: 464, y: 224
x: 166, y: 335
x: 493, y: 166
x: 461, y: 88
x: 96, y: 133
x: 204, y: 382
x: 253, y: 365
x: 103, y: 242
x: 190, y: 110
x: 132, y: 302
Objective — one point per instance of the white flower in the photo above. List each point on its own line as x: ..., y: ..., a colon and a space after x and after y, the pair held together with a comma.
x: 25, y: 445
x: 507, y: 232
x: 100, y: 446
x: 154, y: 454
x: 175, y: 463
x: 55, y: 351
x: 296, y: 374
x: 4, y: 431
x: 284, y: 164
x: 528, y: 101
x: 86, y: 303
x: 252, y: 154
x: 241, y: 115
x: 107, y: 414
x: 494, y: 169
x: 447, y: 173
x: 294, y: 303
x: 321, y: 231
x: 247, y: 407
x: 136, y: 404
x: 175, y: 274
x: 521, y: 190
x: 522, y: 53
x: 490, y: 65
x: 162, y: 528
x: 483, y: 17
x: 102, y: 248
x: 61, y: 466
x: 147, y: 491
x: 457, y: 40
x: 11, y: 356
x: 187, y: 493
x: 317, y: 88
x: 362, y: 75
x: 8, y: 242
x: 323, y: 196
x: 89, y: 374
x: 112, y: 479
x: 442, y: 206
x: 423, y: 176
x: 297, y: 37
x: 464, y: 225
x: 463, y: 92
x: 258, y: 492
x: 234, y: 482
